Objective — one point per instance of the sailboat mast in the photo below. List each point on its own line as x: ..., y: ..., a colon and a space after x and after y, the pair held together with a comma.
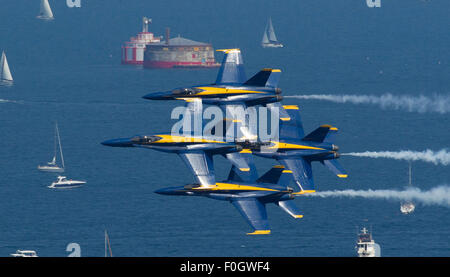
x: 410, y: 183
x: 106, y: 253
x: 107, y: 245
x: 60, y: 147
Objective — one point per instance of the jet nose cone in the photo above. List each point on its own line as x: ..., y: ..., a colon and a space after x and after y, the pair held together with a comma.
x: 122, y: 142
x: 166, y: 191
x: 157, y: 95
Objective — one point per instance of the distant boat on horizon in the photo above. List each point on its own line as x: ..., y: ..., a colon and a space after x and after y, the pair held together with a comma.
x: 5, y: 72
x: 45, y: 11
x: 269, y: 38
x: 52, y: 166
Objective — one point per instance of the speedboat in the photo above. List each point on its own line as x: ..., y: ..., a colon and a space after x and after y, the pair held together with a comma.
x: 25, y: 253
x: 63, y: 183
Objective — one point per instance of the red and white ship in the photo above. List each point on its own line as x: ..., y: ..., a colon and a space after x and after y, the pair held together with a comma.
x: 133, y: 50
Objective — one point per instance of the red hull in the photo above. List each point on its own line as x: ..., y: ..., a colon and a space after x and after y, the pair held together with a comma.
x: 159, y: 64
x: 133, y: 62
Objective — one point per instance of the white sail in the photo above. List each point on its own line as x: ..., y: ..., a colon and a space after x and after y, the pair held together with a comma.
x: 46, y: 11
x: 272, y: 36
x: 5, y: 73
x: 265, y: 39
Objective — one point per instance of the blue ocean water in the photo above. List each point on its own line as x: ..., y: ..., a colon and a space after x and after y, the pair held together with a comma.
x: 68, y: 70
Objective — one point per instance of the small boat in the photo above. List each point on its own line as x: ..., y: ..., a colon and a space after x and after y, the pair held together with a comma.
x: 25, y: 254
x: 5, y: 73
x: 107, y: 246
x: 63, y: 183
x: 366, y: 246
x: 269, y: 38
x: 52, y: 166
x: 45, y: 12
x: 408, y: 207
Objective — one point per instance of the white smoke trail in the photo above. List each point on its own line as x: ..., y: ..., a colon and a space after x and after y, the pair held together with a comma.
x: 435, y: 196
x: 441, y: 157
x: 422, y: 104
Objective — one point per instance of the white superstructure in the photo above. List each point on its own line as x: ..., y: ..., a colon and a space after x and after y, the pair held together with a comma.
x: 366, y: 246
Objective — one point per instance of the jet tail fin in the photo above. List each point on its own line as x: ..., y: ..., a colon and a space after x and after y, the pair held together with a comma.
x: 272, y: 176
x: 336, y: 168
x: 267, y: 77
x: 243, y: 169
x: 232, y: 69
x: 325, y: 133
x: 276, y: 175
x: 289, y: 207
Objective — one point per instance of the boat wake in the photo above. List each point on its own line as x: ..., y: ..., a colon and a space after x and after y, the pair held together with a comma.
x: 421, y: 104
x: 435, y: 196
x: 8, y: 101
x: 442, y: 157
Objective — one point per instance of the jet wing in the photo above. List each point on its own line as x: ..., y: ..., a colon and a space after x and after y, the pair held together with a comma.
x: 301, y: 172
x: 201, y: 165
x: 232, y: 68
x: 254, y: 213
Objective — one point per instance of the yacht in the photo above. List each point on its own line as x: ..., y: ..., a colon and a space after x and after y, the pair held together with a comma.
x: 25, y: 253
x: 366, y: 246
x: 52, y: 166
x: 408, y: 207
x: 63, y: 183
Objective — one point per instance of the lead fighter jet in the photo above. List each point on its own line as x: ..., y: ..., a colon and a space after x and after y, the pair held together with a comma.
x: 231, y: 86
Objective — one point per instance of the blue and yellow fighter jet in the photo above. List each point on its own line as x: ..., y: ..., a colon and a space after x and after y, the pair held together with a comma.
x: 196, y: 151
x: 231, y: 86
x: 296, y: 151
x: 250, y: 198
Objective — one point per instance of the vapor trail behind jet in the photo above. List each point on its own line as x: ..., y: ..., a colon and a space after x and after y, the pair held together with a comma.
x: 441, y: 157
x: 422, y: 104
x: 435, y: 196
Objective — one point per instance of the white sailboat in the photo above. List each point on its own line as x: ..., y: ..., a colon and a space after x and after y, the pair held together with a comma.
x: 269, y: 38
x: 46, y: 11
x: 52, y: 166
x: 408, y: 207
x: 5, y: 73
